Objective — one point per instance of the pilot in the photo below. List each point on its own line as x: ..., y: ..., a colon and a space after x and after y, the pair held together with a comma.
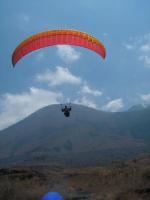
x: 66, y: 110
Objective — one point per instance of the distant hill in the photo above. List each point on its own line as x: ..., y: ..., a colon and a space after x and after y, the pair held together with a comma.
x: 138, y: 107
x: 87, y: 137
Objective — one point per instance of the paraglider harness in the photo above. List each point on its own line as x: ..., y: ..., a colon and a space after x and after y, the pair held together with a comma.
x: 66, y: 109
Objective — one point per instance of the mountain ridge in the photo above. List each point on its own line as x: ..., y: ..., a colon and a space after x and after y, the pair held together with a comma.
x: 48, y: 134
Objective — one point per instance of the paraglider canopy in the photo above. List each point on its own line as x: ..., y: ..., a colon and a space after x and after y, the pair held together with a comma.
x: 57, y: 37
x: 52, y: 196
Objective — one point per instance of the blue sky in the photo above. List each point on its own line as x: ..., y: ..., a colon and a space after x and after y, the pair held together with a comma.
x: 66, y: 73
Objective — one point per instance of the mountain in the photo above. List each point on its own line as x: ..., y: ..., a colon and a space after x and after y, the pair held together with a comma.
x: 87, y: 137
x: 138, y: 107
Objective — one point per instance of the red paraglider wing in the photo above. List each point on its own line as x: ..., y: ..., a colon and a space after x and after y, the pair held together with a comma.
x: 56, y: 37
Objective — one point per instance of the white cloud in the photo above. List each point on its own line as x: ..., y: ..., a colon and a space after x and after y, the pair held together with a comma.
x: 15, y: 107
x: 146, y: 98
x: 141, y: 46
x: 86, y: 102
x: 58, y: 77
x: 114, y: 105
x: 128, y: 46
x: 146, y: 60
x: 145, y: 48
x: 67, y: 53
x: 145, y: 54
x: 87, y: 90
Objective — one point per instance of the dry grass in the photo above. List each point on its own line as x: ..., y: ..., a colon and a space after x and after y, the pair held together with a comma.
x: 119, y: 182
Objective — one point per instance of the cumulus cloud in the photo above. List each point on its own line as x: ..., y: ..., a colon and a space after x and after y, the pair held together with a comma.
x: 146, y: 98
x: 67, y: 53
x: 145, y: 59
x: 15, y: 107
x: 86, y: 89
x: 141, y: 46
x: 58, y: 77
x: 86, y: 102
x: 145, y: 48
x: 114, y: 105
x: 145, y: 52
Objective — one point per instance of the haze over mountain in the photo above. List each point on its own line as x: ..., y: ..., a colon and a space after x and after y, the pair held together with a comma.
x: 87, y: 137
